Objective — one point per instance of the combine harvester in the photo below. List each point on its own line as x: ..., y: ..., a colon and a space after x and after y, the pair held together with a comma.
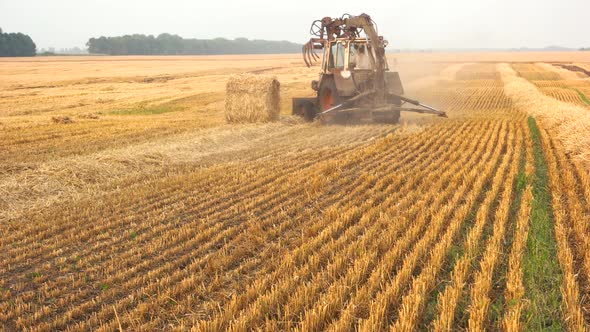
x: 355, y: 83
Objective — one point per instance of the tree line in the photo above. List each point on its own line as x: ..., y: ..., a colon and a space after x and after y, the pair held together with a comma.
x: 16, y: 44
x: 168, y: 44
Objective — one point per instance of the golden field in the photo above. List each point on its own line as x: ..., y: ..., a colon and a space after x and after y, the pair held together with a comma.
x: 146, y: 211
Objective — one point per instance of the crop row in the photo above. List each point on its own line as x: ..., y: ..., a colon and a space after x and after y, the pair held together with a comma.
x: 570, y: 186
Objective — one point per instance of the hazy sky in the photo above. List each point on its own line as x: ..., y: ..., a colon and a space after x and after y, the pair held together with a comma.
x: 405, y: 23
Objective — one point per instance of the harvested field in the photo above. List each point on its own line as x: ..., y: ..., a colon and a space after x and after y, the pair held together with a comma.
x: 148, y: 212
x: 557, y: 82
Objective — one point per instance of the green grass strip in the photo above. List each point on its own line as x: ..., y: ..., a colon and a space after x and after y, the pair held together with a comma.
x: 583, y: 97
x: 541, y: 272
x: 142, y: 110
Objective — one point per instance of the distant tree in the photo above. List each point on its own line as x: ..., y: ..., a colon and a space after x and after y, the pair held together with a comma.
x: 16, y: 44
x: 71, y: 51
x: 98, y: 45
x: 168, y: 44
x: 45, y: 53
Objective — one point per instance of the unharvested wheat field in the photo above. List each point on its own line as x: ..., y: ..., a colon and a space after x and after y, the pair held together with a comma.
x: 127, y: 202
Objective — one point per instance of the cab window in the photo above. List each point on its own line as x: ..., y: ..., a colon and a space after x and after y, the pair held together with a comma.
x: 337, y: 56
x: 361, y: 57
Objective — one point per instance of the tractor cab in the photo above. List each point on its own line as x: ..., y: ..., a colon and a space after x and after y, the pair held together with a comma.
x: 348, y: 55
x: 349, y: 65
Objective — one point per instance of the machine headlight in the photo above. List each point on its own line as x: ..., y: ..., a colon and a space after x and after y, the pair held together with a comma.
x: 346, y: 74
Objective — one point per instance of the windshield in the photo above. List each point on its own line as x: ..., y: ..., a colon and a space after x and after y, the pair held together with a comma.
x: 337, y: 56
x: 360, y: 57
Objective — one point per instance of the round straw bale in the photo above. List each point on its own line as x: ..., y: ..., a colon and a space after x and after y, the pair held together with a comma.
x: 252, y: 98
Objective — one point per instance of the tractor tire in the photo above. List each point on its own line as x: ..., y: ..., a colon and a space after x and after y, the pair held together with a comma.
x: 328, y: 95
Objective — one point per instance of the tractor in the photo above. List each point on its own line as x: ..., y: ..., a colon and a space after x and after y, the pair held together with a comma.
x: 355, y: 83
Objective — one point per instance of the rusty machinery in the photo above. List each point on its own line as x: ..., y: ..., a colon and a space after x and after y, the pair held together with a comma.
x: 355, y: 82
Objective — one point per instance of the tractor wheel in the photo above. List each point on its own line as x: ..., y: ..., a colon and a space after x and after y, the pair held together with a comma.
x: 328, y: 95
